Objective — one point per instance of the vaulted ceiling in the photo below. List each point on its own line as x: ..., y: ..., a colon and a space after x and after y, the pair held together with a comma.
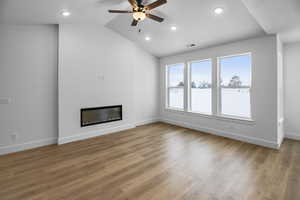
x: 196, y: 23
x: 195, y: 20
x: 277, y: 16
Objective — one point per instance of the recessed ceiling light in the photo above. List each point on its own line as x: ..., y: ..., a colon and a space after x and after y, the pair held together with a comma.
x: 173, y: 28
x: 218, y: 11
x: 147, y: 38
x: 65, y: 13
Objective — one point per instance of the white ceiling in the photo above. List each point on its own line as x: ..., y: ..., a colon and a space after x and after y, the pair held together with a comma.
x: 48, y: 11
x: 277, y: 16
x: 196, y: 23
x: 194, y: 18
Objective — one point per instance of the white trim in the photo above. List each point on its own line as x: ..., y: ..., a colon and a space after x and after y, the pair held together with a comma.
x: 233, y: 117
x: 174, y: 109
x: 292, y: 136
x: 31, y: 145
x: 40, y: 143
x: 280, y: 140
x: 145, y: 122
x: 216, y: 89
x: 215, y: 83
x: 92, y: 134
x: 189, y: 85
x: 186, y: 92
x: 27, y: 145
x: 219, y: 86
x: 247, y: 139
x: 215, y: 117
x: 167, y: 87
x: 235, y: 55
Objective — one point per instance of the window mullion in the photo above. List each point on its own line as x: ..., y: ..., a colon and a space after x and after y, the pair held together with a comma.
x: 167, y: 91
x: 186, y: 87
x: 219, y: 88
x: 215, y: 87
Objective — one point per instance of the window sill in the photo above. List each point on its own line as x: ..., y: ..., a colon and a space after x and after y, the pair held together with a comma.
x: 242, y: 120
x: 231, y: 119
x: 174, y: 109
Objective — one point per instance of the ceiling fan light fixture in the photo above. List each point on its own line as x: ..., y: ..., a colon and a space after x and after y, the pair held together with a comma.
x: 139, y: 16
x: 140, y: 11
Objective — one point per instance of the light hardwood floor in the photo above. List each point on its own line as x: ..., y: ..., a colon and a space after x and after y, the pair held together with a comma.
x: 156, y: 161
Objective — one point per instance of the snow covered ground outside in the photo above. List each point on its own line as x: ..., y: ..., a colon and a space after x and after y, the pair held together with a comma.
x: 235, y: 102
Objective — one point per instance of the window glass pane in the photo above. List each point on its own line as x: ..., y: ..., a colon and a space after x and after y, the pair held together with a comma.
x: 176, y: 75
x: 236, y: 102
x: 201, y: 90
x: 235, y: 85
x: 176, y: 86
x: 176, y: 98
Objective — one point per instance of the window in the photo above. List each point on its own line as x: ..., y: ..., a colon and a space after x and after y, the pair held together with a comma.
x: 201, y: 86
x: 235, y: 85
x: 215, y: 86
x: 175, y: 86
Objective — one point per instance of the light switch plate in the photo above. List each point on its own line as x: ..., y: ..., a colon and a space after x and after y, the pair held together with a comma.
x: 4, y: 100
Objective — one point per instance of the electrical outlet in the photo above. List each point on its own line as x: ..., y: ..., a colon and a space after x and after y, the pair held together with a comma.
x: 101, y: 77
x: 5, y: 100
x: 232, y: 127
x: 14, y: 136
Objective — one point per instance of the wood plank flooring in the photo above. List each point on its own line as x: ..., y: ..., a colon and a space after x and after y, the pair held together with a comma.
x: 157, y: 162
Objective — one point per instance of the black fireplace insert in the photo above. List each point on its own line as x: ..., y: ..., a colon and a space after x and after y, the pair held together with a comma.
x: 100, y: 115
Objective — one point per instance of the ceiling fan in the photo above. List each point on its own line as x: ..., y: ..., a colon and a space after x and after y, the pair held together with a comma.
x: 140, y: 11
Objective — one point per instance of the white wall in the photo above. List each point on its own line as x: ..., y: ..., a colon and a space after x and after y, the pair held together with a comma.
x: 98, y: 67
x: 263, y: 96
x: 292, y: 91
x: 28, y: 76
x: 146, y: 85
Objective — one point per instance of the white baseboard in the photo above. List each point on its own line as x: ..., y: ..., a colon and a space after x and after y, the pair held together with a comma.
x: 40, y: 143
x: 92, y: 134
x: 105, y: 131
x: 26, y: 146
x: 145, y: 122
x: 247, y: 139
x: 292, y: 136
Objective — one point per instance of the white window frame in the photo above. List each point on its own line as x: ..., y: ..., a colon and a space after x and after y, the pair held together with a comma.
x: 219, y: 88
x: 167, y: 93
x: 190, y: 88
x: 216, y: 91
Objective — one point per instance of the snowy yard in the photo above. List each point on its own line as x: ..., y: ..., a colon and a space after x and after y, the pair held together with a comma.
x: 235, y: 102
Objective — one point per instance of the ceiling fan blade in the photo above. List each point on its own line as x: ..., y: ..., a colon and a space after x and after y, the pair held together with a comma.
x: 133, y: 3
x: 155, y: 4
x: 120, y: 11
x: 155, y: 18
x: 134, y: 22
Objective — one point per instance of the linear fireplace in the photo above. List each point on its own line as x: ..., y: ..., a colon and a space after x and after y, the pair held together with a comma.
x: 99, y: 115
